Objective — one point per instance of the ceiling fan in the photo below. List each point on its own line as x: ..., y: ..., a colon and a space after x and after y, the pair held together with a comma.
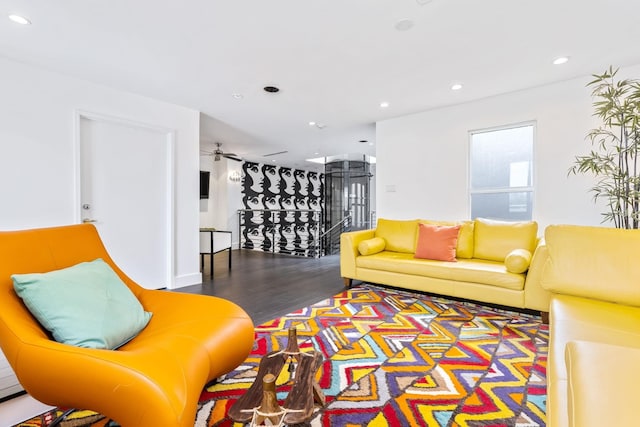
x: 218, y: 154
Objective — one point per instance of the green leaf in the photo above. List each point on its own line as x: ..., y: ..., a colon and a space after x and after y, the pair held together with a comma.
x: 615, y: 148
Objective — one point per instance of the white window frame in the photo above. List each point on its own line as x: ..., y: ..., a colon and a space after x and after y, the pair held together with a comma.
x: 498, y: 190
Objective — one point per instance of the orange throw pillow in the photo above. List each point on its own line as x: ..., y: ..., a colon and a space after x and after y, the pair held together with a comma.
x: 437, y: 242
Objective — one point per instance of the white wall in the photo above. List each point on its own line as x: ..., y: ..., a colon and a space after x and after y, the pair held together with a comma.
x: 234, y: 201
x: 37, y: 168
x: 208, y: 206
x: 425, y: 155
x: 225, y: 197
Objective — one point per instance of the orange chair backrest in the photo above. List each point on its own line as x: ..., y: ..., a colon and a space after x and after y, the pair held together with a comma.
x: 39, y: 251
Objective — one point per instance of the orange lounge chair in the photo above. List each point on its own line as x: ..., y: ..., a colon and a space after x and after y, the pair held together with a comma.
x: 155, y: 379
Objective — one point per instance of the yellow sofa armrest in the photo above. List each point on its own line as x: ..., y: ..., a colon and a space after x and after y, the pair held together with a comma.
x: 600, y: 380
x: 349, y: 242
x: 535, y: 296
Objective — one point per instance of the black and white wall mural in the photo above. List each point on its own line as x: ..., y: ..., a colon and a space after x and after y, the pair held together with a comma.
x: 285, y: 209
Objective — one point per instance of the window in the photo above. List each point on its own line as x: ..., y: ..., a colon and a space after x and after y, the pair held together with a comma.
x: 501, y: 165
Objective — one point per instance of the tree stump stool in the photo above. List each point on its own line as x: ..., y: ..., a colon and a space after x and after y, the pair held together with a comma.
x: 259, y: 403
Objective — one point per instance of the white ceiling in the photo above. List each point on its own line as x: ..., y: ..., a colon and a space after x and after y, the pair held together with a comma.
x: 334, y: 60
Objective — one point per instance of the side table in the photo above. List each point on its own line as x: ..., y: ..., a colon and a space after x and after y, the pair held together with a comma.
x: 213, y: 241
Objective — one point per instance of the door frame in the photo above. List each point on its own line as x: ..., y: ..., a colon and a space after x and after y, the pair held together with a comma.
x: 170, y: 136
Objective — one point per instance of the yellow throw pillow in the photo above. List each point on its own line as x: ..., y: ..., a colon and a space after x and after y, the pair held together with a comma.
x: 493, y: 240
x: 518, y: 261
x: 371, y: 246
x: 400, y: 236
x: 465, y: 240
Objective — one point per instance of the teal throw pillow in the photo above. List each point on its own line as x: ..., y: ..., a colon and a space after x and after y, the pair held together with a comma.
x: 86, y: 305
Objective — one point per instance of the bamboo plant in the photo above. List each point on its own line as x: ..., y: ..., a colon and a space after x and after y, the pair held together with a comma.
x: 615, y: 147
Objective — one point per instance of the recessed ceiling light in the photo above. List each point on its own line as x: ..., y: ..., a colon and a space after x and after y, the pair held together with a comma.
x: 312, y: 123
x: 456, y: 86
x: 404, y: 25
x: 18, y: 19
x: 384, y: 104
x: 320, y: 160
x: 271, y: 89
x: 561, y: 60
x: 237, y: 95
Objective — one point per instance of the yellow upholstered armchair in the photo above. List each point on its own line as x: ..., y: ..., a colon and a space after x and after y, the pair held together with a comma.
x: 156, y: 378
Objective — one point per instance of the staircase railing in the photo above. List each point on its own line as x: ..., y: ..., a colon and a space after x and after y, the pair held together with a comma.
x: 329, y: 241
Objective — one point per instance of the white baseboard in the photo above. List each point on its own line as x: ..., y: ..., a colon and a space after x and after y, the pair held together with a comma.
x: 187, y: 280
x: 19, y: 409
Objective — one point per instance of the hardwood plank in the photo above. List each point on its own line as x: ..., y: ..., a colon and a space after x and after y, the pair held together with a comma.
x: 268, y: 285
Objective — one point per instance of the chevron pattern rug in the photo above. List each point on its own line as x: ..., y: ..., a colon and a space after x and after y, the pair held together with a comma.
x: 395, y: 358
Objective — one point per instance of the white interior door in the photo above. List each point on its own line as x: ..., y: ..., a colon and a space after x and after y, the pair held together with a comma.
x: 126, y: 191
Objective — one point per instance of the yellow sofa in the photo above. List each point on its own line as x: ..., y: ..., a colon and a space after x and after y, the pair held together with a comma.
x: 156, y: 378
x: 594, y: 346
x: 386, y: 255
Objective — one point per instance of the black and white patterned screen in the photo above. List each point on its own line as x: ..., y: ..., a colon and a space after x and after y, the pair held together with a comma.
x: 274, y: 188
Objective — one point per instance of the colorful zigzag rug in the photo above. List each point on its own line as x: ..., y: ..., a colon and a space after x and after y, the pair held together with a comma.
x: 395, y: 358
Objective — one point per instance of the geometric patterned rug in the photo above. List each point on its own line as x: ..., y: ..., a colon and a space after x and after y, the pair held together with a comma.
x: 397, y: 358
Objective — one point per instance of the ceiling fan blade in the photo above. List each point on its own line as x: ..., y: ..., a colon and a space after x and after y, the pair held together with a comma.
x: 275, y: 154
x: 232, y: 158
x: 218, y: 153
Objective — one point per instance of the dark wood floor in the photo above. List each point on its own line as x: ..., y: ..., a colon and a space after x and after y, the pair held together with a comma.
x: 268, y: 285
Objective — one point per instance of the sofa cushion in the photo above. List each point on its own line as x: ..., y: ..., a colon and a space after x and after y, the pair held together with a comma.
x: 464, y: 247
x: 437, y: 242
x: 575, y: 318
x: 399, y: 235
x: 494, y: 240
x: 86, y: 305
x: 601, y: 377
x: 465, y: 240
x: 472, y: 271
x: 518, y: 260
x: 371, y: 246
